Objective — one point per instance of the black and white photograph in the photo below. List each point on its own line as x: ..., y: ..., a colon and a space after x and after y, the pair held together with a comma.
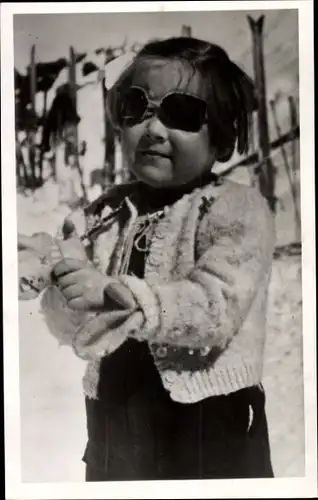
x: 158, y: 222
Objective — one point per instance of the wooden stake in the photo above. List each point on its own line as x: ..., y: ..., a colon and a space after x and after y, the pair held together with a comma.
x: 253, y: 140
x: 20, y: 163
x: 32, y: 79
x: 30, y: 132
x: 104, y: 94
x: 252, y: 158
x: 109, y: 159
x: 279, y: 135
x: 72, y: 82
x: 44, y: 111
x: 294, y: 123
x: 288, y: 169
x: 110, y: 153
x: 266, y: 173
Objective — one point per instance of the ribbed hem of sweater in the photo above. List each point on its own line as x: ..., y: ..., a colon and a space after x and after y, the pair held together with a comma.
x: 191, y: 387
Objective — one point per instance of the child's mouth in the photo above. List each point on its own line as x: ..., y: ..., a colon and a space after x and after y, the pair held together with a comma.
x: 153, y: 153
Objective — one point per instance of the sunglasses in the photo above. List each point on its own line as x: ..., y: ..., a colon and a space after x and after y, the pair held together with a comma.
x: 176, y: 110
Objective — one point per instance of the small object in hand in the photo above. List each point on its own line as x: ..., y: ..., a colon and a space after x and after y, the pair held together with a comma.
x: 37, y: 255
x: 34, y: 274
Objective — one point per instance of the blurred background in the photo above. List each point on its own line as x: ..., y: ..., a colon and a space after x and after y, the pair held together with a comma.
x: 67, y: 154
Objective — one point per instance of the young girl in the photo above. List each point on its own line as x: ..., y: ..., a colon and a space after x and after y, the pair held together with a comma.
x: 168, y: 302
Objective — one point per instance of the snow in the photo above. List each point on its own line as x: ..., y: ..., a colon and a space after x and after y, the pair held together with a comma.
x: 52, y: 406
x: 283, y: 377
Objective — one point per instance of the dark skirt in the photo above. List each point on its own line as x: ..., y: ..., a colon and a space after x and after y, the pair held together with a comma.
x: 136, y: 432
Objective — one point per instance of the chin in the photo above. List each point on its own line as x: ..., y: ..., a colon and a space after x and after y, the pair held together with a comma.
x: 152, y: 177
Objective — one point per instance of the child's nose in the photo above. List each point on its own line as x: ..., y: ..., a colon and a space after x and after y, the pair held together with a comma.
x: 156, y: 129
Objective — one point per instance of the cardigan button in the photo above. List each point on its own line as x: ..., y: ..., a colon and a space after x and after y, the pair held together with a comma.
x: 169, y: 378
x: 161, y: 352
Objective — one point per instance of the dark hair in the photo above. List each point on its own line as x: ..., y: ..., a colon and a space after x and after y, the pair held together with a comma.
x: 231, y: 98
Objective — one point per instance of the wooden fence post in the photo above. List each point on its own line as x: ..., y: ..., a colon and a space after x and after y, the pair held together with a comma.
x: 31, y: 129
x: 253, y: 141
x: 72, y: 83
x: 41, y: 158
x: 109, y: 162
x: 73, y: 88
x: 104, y: 94
x: 294, y: 124
x: 20, y: 164
x: 32, y: 78
x: 291, y: 180
x: 266, y: 172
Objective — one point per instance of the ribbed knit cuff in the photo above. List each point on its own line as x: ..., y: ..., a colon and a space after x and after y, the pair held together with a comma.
x: 146, y: 301
x: 102, y: 334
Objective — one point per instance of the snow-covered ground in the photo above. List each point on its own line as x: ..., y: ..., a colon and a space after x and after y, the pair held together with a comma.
x: 283, y: 375
x: 53, y: 426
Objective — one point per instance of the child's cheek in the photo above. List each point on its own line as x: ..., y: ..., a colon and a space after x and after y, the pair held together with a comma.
x: 192, y: 153
x: 131, y: 137
x: 184, y: 144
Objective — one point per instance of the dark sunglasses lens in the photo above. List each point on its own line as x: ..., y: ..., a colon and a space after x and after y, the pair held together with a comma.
x: 184, y: 112
x: 133, y: 106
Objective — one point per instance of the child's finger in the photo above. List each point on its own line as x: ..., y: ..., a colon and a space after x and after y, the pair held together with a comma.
x: 66, y: 266
x: 72, y: 292
x: 78, y: 304
x: 67, y: 280
x: 121, y: 295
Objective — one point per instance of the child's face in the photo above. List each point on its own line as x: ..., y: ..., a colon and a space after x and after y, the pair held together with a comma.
x: 157, y: 155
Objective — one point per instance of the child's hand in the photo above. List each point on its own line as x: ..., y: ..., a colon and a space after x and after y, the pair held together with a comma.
x: 81, y: 284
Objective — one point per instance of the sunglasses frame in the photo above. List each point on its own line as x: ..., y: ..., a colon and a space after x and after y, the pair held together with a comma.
x: 152, y: 107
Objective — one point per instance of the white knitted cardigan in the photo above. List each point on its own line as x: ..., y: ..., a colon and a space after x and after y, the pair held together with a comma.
x: 202, y: 303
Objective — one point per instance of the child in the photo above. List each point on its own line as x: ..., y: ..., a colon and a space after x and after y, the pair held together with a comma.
x: 169, y: 305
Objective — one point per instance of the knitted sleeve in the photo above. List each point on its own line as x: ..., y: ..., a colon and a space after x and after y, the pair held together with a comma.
x: 236, y: 241
x: 92, y: 335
